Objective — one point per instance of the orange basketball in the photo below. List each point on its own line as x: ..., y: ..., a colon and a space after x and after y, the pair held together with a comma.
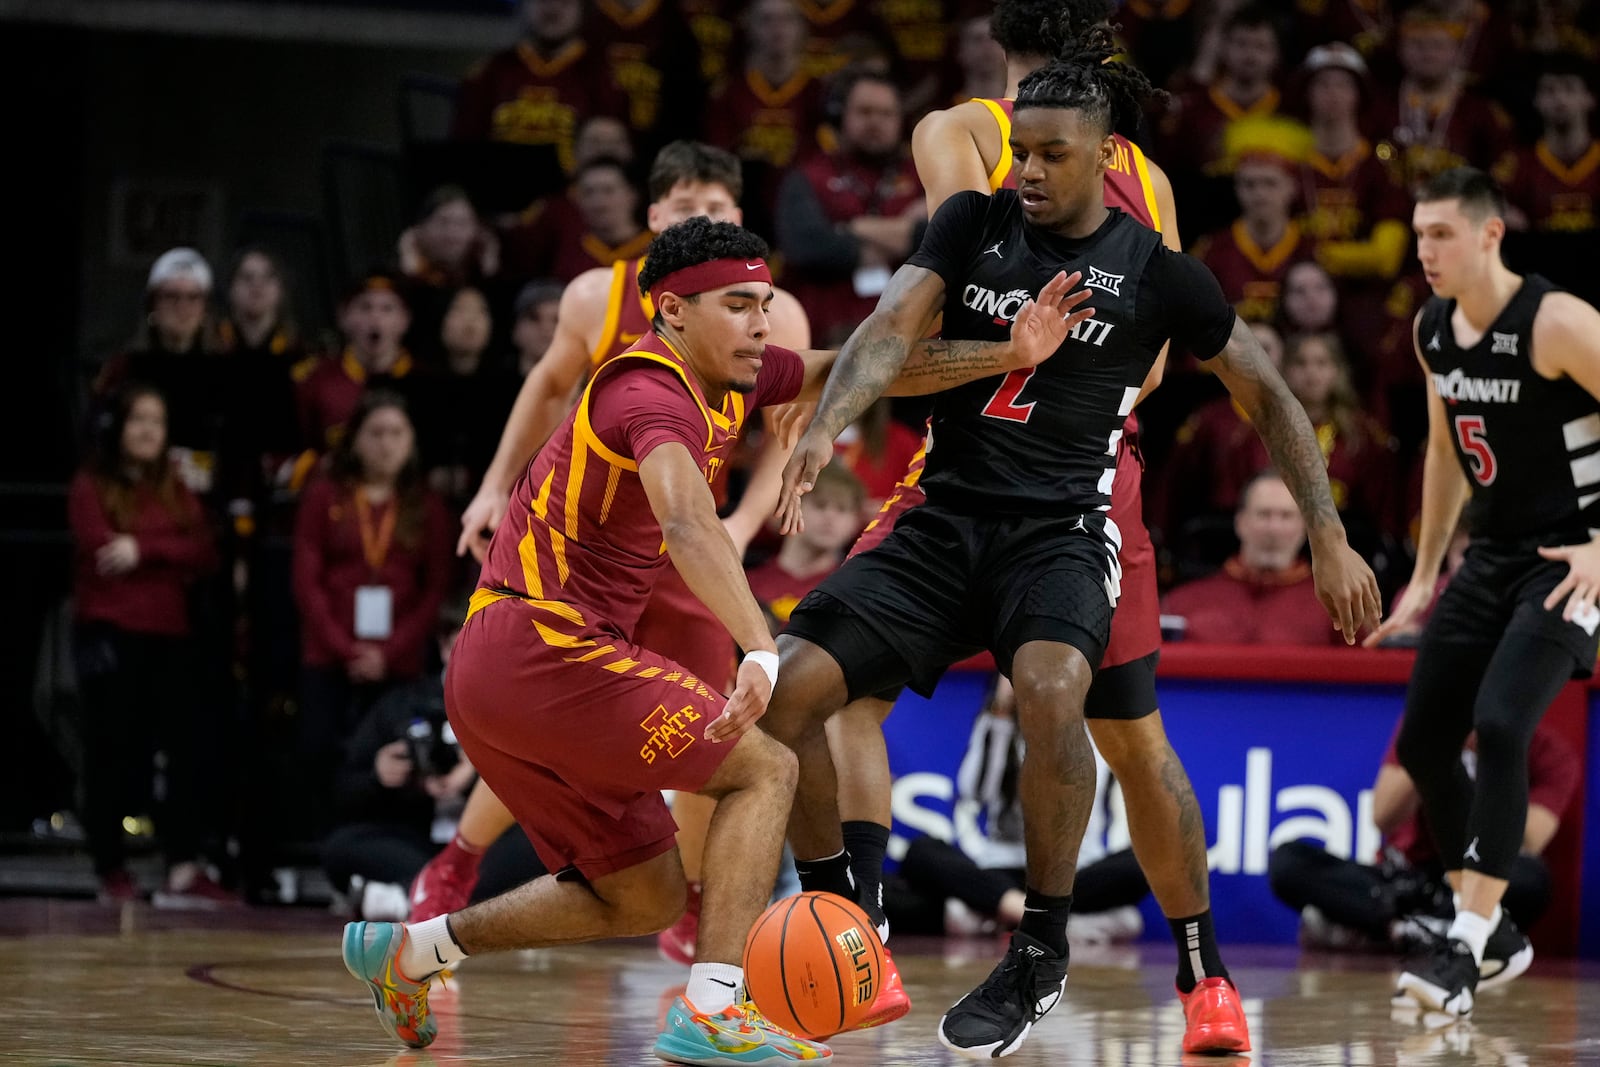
x: 813, y: 964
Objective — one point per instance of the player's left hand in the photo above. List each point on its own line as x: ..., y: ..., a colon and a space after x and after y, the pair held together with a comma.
x: 1042, y: 325
x: 813, y: 453
x: 751, y: 691
x: 1582, y: 583
x: 1348, y: 590
x: 786, y: 422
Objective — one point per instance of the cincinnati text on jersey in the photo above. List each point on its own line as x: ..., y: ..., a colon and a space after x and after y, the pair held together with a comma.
x: 1457, y: 386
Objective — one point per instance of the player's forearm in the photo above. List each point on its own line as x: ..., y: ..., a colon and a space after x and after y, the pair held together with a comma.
x: 869, y: 361
x: 710, y: 566
x: 1444, y: 494
x: 936, y: 364
x: 1292, y: 443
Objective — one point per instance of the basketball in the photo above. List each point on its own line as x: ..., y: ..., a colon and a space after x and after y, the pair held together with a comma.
x: 813, y: 964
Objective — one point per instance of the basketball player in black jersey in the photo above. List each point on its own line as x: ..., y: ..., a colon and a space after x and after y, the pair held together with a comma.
x: 1012, y: 551
x: 1514, y: 426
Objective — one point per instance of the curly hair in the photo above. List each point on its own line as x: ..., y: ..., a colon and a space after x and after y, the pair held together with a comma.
x: 1113, y: 95
x: 695, y: 241
x: 1044, y: 27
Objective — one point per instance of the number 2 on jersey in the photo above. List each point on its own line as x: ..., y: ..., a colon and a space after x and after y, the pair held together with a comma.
x: 1470, y: 433
x: 1003, y: 405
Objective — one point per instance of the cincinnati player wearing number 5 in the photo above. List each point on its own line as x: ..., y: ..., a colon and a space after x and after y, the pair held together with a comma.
x: 1514, y: 426
x: 576, y: 727
x: 1013, y: 551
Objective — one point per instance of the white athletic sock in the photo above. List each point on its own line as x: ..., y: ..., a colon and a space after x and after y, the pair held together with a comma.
x: 429, y: 948
x: 713, y: 986
x: 1474, y: 930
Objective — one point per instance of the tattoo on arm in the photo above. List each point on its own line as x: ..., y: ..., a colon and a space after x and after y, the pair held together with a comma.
x: 938, y: 363
x: 871, y: 359
x: 1281, y: 423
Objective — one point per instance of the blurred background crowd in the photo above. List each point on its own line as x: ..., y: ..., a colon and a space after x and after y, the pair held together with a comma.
x: 246, y: 432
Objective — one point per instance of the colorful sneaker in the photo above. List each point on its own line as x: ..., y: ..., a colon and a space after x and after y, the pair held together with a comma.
x: 444, y: 885
x: 1213, y: 1018
x: 992, y: 1020
x: 372, y: 954
x: 1443, y: 979
x: 1506, y: 954
x: 737, y: 1034
x: 891, y: 1002
x: 677, y: 942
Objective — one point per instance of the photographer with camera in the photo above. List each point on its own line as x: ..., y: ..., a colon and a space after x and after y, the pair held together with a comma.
x: 403, y: 774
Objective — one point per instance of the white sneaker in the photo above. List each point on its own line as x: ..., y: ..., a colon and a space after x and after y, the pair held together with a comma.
x: 380, y: 901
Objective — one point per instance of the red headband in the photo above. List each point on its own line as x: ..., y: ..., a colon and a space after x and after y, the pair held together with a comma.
x: 710, y: 275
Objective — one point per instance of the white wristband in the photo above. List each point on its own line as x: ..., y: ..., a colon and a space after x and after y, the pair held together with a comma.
x: 767, y: 661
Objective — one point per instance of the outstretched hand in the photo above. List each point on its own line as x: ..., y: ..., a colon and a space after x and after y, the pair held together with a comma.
x: 814, y: 452
x: 478, y: 523
x: 1348, y: 590
x: 1044, y: 322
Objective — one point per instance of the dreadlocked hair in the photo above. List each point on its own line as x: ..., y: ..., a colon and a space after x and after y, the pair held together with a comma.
x: 1043, y: 27
x: 1084, y: 77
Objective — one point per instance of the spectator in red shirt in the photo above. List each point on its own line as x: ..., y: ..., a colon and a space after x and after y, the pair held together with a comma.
x: 1264, y: 594
x: 449, y: 245
x: 1555, y: 185
x: 374, y: 318
x: 1362, y: 459
x: 371, y: 567
x: 1433, y: 120
x: 140, y: 541
x: 1251, y: 257
x: 1403, y: 899
x: 832, y: 513
x: 848, y: 219
x: 1192, y: 145
x: 767, y: 111
x: 537, y: 92
x: 608, y: 227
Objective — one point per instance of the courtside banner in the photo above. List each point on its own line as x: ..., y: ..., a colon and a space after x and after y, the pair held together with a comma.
x: 1280, y: 744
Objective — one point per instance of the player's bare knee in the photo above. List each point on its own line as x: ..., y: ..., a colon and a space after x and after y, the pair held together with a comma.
x: 653, y: 914
x: 1131, y: 747
x: 758, y: 761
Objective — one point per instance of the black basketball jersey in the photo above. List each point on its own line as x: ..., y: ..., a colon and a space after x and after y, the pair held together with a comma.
x: 1044, y: 440
x: 1530, y: 446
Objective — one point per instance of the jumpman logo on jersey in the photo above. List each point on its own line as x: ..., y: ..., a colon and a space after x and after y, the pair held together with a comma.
x: 1433, y: 342
x: 1505, y: 344
x: 1472, y: 852
x: 995, y: 250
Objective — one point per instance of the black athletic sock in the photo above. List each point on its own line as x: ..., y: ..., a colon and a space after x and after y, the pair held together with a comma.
x: 831, y: 874
x: 1198, y: 955
x: 1045, y: 919
x: 866, y: 842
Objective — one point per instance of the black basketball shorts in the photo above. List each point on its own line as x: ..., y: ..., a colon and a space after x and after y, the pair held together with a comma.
x: 1499, y: 588
x: 944, y: 586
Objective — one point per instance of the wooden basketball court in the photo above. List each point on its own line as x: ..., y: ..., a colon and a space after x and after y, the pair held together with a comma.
x: 90, y: 985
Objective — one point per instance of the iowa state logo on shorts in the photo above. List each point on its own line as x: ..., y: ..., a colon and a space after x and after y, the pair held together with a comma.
x: 667, y: 732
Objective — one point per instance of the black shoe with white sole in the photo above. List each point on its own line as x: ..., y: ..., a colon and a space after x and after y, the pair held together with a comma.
x: 994, y: 1019
x: 1506, y: 954
x: 1443, y: 979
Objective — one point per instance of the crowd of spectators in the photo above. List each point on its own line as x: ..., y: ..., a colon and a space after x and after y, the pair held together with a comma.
x: 276, y: 502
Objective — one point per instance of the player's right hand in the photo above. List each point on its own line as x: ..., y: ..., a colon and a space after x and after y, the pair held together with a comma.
x: 1348, y: 590
x: 1042, y: 324
x: 751, y: 691
x: 1403, y: 618
x: 478, y: 522
x: 814, y: 452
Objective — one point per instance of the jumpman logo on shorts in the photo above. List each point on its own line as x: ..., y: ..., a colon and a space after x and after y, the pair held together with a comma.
x: 1472, y: 852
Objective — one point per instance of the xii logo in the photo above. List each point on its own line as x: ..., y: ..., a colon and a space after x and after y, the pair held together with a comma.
x: 1505, y: 344
x: 1099, y: 279
x: 667, y: 732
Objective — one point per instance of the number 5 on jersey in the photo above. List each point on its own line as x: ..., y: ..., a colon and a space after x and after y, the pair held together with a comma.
x: 1475, y: 444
